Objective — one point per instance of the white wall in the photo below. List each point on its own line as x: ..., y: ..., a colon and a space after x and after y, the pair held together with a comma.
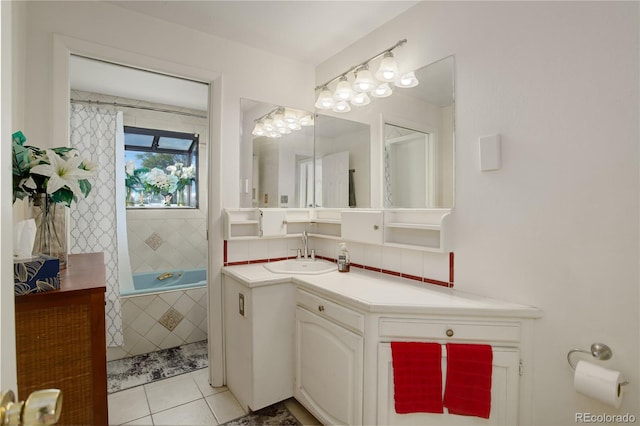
x: 557, y: 225
x: 245, y: 73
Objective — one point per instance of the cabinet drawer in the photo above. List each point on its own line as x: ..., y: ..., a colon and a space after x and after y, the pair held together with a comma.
x: 450, y: 330
x: 330, y: 310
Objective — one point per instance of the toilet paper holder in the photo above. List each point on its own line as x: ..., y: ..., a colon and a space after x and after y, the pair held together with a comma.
x: 599, y: 351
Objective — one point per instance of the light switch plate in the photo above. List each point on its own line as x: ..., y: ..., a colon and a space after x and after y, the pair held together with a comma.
x: 490, y: 155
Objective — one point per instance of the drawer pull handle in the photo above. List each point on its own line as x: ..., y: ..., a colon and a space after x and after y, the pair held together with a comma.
x: 449, y: 332
x: 321, y: 308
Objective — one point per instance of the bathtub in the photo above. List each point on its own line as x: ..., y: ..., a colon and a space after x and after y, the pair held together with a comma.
x: 152, y: 282
x: 162, y: 313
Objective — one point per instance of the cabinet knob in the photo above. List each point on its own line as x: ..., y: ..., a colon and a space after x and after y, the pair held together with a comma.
x: 376, y: 227
x: 321, y: 308
x: 449, y: 332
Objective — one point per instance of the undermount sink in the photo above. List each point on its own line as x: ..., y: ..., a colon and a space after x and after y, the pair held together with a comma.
x: 301, y: 266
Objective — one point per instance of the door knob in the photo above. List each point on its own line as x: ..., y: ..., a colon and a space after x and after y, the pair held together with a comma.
x: 41, y: 408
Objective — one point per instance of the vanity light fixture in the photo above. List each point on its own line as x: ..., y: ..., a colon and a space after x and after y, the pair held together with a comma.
x: 281, y: 121
x: 407, y: 80
x: 364, y: 85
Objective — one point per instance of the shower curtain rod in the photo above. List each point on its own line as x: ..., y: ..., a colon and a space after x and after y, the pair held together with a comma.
x: 117, y: 104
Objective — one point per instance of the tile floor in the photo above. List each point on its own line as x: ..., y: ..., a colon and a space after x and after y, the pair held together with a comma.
x: 187, y: 399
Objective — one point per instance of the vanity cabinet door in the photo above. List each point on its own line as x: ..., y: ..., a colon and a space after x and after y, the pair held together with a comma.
x: 328, y: 369
x: 505, y: 384
x: 258, y: 326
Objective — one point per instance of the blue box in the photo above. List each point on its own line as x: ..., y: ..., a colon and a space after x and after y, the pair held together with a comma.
x: 36, y: 274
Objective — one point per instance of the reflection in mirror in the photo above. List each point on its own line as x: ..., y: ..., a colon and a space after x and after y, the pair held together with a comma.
x: 342, y: 162
x: 418, y: 157
x: 276, y: 166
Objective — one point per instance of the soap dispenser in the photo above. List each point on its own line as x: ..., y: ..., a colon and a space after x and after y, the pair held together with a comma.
x: 344, y: 264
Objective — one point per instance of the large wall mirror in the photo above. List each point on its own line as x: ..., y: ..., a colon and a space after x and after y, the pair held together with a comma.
x: 276, y: 156
x: 418, y: 155
x: 333, y: 162
x: 342, y: 153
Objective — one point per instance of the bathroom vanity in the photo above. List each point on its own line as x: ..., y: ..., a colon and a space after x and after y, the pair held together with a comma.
x: 326, y: 340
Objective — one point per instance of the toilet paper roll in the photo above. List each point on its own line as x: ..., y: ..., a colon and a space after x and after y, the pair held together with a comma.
x: 599, y: 383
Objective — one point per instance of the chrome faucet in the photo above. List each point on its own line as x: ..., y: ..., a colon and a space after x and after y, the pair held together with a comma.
x: 305, y: 244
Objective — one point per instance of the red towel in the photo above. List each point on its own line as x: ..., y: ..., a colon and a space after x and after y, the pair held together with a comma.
x: 417, y: 377
x: 468, y: 389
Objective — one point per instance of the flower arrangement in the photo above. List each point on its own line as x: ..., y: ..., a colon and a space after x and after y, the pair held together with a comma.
x: 60, y: 173
x: 133, y: 176
x: 184, y: 174
x: 158, y: 182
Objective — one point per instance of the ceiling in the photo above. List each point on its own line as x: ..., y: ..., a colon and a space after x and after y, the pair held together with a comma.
x: 276, y: 26
x: 308, y: 31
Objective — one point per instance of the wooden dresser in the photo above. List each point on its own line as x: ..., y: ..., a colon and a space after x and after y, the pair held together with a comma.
x: 60, y: 341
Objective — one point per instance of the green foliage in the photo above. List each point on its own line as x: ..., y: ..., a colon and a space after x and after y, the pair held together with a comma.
x: 152, y: 160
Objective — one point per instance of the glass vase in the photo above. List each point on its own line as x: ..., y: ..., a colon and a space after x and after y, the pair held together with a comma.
x: 180, y: 196
x: 51, y: 230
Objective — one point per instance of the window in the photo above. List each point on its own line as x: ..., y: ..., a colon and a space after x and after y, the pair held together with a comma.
x: 161, y: 168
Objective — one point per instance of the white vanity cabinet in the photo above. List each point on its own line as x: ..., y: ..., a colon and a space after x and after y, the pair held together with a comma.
x: 258, y: 328
x: 503, y: 336
x: 329, y: 360
x: 330, y: 336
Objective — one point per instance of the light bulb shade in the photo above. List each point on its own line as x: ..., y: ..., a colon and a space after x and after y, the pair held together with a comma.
x: 258, y: 130
x: 342, y: 106
x: 325, y: 99
x: 407, y: 80
x: 274, y: 134
x: 267, y: 125
x: 364, y: 81
x: 360, y: 99
x: 382, y: 91
x: 290, y: 115
x: 388, y: 70
x: 284, y: 130
x: 306, y: 120
x: 278, y: 120
x: 294, y: 126
x: 343, y: 92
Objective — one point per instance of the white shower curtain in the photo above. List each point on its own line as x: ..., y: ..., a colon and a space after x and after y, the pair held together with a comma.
x: 93, y: 220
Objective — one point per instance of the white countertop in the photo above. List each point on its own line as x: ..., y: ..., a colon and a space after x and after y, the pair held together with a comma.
x: 381, y: 293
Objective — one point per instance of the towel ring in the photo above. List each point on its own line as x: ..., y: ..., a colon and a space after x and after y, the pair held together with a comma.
x: 599, y: 351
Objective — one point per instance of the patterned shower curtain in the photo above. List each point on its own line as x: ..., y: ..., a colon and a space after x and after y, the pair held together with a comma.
x: 93, y: 222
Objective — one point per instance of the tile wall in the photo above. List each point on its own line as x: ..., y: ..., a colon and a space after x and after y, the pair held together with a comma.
x: 428, y: 267
x: 162, y: 320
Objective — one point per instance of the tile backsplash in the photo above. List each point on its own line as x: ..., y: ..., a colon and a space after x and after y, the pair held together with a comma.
x: 166, y: 239
x: 429, y: 267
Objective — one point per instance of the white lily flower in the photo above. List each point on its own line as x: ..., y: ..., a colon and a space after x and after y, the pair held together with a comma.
x: 62, y: 173
x: 90, y: 166
x: 130, y: 167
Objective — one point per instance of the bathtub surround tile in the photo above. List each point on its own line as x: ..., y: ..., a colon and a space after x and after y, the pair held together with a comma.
x: 142, y: 324
x: 170, y: 341
x: 142, y: 346
x: 436, y: 266
x: 154, y: 241
x: 150, y: 367
x: 171, y: 319
x: 157, y: 308
x: 171, y: 297
x: 184, y: 304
